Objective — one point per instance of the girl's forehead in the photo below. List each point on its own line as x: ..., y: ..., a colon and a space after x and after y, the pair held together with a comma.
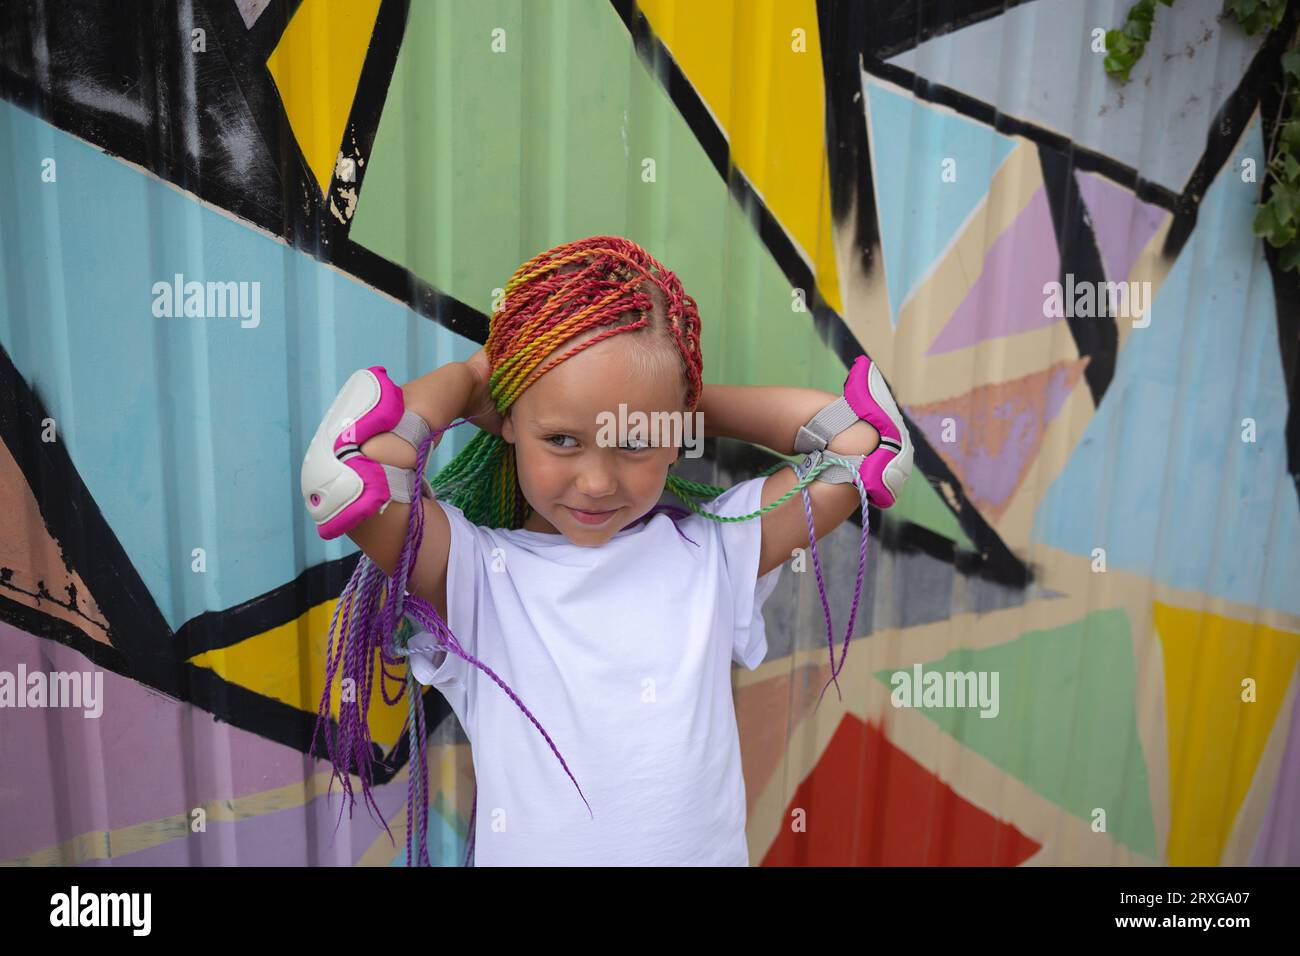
x: 579, y: 413
x: 607, y: 373
x: 579, y: 401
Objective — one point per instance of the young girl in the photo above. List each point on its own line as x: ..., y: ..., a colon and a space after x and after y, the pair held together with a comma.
x: 582, y: 632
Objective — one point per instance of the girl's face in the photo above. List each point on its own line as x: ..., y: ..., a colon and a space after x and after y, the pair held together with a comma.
x: 564, y: 461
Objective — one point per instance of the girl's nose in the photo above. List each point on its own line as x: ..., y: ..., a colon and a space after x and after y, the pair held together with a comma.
x: 595, y: 483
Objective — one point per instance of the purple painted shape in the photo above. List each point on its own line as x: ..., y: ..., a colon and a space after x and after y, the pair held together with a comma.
x: 1122, y: 223
x: 295, y: 836
x: 146, y: 757
x: 990, y: 476
x: 1278, y: 843
x: 1007, y: 298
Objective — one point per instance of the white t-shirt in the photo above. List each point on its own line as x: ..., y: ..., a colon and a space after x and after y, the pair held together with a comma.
x: 623, y: 654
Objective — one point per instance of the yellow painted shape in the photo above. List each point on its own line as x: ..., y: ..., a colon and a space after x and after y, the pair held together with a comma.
x: 1215, y: 738
x: 287, y: 663
x: 775, y: 121
x: 316, y: 66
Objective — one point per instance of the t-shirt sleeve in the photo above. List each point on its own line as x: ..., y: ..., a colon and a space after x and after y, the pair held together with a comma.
x: 438, y: 668
x: 741, y: 545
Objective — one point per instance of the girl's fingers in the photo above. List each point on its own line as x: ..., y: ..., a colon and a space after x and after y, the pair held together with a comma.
x: 485, y: 412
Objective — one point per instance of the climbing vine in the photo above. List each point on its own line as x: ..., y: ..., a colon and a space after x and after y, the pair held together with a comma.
x: 1278, y: 219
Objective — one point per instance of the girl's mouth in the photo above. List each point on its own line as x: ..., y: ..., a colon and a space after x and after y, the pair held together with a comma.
x: 591, y: 517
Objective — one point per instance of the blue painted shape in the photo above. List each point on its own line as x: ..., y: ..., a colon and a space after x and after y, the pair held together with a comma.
x: 445, y: 846
x: 920, y: 214
x: 188, y: 432
x: 1161, y: 478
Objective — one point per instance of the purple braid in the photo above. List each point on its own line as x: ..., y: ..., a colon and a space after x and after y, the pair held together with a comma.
x: 806, y: 475
x: 821, y: 582
x: 367, y: 626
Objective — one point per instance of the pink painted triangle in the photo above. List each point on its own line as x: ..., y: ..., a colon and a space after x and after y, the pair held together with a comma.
x: 1007, y: 298
x: 996, y: 431
x: 1122, y: 223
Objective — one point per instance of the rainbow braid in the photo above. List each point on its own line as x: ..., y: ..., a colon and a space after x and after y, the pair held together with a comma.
x: 553, y: 298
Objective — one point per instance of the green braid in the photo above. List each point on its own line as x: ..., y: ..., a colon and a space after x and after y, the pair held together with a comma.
x: 689, y: 491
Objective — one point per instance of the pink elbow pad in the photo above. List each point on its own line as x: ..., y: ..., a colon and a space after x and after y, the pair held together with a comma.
x: 341, y: 486
x: 866, y: 398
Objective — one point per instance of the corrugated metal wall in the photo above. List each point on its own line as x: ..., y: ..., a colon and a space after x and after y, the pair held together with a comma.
x: 1101, y: 529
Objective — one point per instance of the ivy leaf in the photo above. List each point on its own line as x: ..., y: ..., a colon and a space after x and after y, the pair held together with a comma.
x: 1291, y: 166
x: 1265, y: 224
x: 1244, y: 8
x: 1289, y: 257
x: 1291, y: 134
x: 1117, y: 68
x: 1119, y: 54
x: 1291, y: 64
x: 1279, y: 235
x: 1284, y: 234
x: 1283, y: 204
x: 1124, y: 47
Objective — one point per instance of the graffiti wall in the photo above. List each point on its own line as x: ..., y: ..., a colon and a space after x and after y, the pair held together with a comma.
x: 1056, y: 272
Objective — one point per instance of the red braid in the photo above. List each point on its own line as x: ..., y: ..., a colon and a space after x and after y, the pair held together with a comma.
x: 573, y: 288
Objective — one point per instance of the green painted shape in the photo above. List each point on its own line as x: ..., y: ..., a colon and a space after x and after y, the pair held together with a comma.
x: 1067, y: 725
x: 482, y: 160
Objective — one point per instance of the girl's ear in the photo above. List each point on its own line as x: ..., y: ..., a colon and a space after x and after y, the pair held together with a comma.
x: 508, y: 427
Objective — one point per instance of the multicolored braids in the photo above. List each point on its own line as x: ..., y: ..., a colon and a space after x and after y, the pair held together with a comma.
x: 554, y: 298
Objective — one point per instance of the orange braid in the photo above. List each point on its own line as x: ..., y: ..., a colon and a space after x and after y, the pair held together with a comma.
x: 545, y: 307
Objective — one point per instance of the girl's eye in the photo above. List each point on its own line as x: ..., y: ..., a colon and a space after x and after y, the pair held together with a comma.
x: 631, y: 446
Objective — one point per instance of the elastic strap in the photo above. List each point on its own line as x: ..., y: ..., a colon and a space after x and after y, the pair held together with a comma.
x: 400, y: 482
x: 412, y: 429
x: 813, y: 438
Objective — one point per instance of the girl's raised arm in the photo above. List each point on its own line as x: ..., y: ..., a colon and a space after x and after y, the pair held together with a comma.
x: 771, y: 416
x: 449, y: 392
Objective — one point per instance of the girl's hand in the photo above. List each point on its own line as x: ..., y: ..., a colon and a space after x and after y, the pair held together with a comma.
x: 480, y: 403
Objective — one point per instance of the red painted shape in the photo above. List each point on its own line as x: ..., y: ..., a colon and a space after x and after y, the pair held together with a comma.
x: 868, y: 803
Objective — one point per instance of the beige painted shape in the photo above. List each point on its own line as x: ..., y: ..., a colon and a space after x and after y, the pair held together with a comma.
x: 27, y: 547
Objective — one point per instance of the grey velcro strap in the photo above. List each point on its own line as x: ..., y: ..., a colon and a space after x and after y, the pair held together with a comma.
x: 412, y: 428
x: 825, y: 425
x: 401, y: 481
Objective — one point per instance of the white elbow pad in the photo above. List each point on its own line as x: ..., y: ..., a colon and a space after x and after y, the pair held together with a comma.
x: 341, y: 486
